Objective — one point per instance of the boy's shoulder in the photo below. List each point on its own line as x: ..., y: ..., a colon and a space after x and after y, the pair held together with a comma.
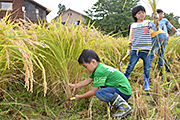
x: 102, y: 68
x: 163, y: 20
x: 144, y: 23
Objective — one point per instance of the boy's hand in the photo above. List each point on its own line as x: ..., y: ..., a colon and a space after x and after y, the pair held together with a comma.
x: 77, y: 97
x: 177, y: 34
x: 128, y: 52
x: 72, y: 86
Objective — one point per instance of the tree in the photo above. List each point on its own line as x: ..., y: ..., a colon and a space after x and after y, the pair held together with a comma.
x: 112, y: 16
x: 62, y: 8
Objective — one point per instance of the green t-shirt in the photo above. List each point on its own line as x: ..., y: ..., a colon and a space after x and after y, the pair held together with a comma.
x: 106, y: 76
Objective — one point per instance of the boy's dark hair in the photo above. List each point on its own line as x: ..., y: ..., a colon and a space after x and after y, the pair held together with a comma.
x: 129, y: 27
x: 159, y: 11
x: 135, y: 10
x: 87, y: 55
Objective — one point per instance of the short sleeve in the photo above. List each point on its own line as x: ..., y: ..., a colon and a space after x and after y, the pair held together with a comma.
x: 152, y: 26
x: 168, y: 24
x: 91, y: 75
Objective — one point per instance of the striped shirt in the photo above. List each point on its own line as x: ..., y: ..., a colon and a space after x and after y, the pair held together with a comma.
x: 140, y: 36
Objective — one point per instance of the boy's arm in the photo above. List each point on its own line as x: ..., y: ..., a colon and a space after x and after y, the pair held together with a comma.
x: 174, y: 29
x: 130, y: 42
x: 170, y: 26
x: 152, y: 26
x: 87, y: 94
x: 81, y: 84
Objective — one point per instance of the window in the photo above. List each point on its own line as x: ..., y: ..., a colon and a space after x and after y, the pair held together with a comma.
x: 69, y: 14
x: 31, y: 12
x: 7, y: 6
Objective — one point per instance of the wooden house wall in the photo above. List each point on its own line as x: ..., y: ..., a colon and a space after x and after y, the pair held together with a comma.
x: 17, y: 9
x: 17, y: 12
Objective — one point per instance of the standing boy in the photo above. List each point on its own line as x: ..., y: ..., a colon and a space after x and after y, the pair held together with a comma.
x: 109, y: 85
x: 140, y: 43
x: 163, y: 24
x: 158, y: 38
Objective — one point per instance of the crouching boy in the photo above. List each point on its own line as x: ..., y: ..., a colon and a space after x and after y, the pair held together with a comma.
x: 109, y: 84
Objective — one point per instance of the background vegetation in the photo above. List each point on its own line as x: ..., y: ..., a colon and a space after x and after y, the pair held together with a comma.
x: 113, y: 16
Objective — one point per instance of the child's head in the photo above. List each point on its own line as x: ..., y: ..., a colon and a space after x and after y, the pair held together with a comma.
x: 160, y: 12
x: 135, y: 10
x: 89, y: 59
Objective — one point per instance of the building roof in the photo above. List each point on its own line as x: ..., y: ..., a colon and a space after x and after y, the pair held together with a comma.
x: 73, y: 11
x: 68, y: 10
x: 39, y: 5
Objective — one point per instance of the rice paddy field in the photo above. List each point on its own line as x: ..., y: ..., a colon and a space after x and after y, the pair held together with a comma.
x: 39, y: 61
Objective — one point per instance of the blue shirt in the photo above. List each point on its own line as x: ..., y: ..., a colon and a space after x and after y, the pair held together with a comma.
x: 163, y: 24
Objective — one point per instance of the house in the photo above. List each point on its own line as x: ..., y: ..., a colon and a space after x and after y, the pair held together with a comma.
x: 24, y: 9
x: 71, y: 17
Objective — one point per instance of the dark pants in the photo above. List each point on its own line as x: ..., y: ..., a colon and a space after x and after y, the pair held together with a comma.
x: 105, y: 94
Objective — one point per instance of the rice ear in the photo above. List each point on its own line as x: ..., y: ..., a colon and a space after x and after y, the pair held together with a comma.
x: 153, y: 4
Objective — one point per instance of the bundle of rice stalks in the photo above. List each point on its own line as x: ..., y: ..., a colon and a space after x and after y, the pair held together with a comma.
x: 140, y: 109
x: 65, y: 45
x: 156, y: 92
x: 153, y: 4
x: 17, y: 49
x: 165, y: 111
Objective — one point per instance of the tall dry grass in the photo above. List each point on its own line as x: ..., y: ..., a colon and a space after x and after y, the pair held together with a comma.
x: 47, y: 53
x: 17, y: 52
x: 65, y: 45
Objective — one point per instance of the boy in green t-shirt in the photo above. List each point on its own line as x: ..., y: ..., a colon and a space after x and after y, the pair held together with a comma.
x: 109, y: 84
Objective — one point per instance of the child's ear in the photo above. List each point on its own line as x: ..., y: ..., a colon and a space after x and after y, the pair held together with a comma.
x: 93, y: 61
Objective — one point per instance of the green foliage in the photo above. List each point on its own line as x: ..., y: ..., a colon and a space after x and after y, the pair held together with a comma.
x: 62, y: 8
x: 112, y: 16
x: 153, y: 4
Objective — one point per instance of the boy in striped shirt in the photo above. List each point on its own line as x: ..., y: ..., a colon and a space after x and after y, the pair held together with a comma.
x: 140, y: 43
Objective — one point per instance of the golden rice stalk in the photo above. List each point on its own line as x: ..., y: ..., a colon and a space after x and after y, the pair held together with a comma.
x: 7, y: 56
x: 28, y: 65
x: 156, y: 91
x: 153, y: 4
x: 165, y: 112
x: 140, y: 109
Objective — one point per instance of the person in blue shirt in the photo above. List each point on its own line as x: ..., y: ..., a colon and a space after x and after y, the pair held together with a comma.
x: 164, y: 24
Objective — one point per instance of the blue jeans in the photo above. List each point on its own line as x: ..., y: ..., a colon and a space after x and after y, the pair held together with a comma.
x: 162, y: 50
x: 105, y: 94
x: 159, y: 43
x: 144, y: 55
